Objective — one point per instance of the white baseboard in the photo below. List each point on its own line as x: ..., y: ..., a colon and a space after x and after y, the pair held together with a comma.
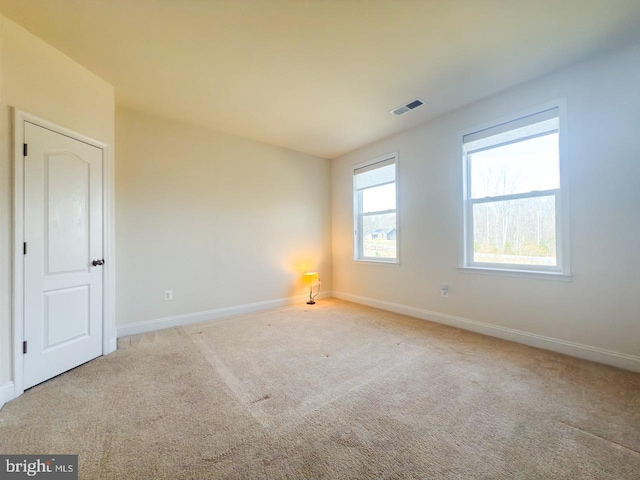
x: 217, y: 314
x: 621, y: 360
x: 7, y: 392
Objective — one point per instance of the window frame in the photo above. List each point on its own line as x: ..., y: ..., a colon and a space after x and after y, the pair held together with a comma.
x: 466, y: 254
x: 358, y: 215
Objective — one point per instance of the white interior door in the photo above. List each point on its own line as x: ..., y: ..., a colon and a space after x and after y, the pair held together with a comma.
x: 63, y: 310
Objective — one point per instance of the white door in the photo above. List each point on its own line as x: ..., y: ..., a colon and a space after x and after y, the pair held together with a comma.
x: 63, y: 237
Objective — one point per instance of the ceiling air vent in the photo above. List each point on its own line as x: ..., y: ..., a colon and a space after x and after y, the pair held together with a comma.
x: 407, y: 107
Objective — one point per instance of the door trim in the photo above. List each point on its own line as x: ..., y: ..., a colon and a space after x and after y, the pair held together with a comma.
x: 109, y: 341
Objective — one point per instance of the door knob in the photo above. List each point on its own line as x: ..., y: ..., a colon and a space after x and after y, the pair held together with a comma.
x: 95, y: 263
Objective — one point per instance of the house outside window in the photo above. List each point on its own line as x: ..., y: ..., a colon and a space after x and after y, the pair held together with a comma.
x: 375, y: 214
x: 515, y: 217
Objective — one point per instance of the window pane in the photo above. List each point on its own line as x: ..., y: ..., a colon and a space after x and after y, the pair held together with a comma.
x: 516, y: 168
x: 379, y: 239
x: 376, y: 176
x: 519, y: 231
x: 377, y: 199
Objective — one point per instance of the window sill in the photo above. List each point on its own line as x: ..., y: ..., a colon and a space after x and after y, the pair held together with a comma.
x: 377, y: 262
x: 533, y: 274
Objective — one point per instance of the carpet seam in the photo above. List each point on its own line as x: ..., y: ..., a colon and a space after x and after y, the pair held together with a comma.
x: 600, y: 437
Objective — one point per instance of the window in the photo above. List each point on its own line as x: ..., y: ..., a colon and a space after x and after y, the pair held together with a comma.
x: 374, y: 198
x: 513, y: 195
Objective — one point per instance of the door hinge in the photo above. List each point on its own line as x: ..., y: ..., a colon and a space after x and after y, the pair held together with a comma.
x: 24, y: 248
x: 24, y: 149
x: 24, y: 347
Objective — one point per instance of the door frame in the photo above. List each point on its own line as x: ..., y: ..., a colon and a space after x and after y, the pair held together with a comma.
x: 109, y: 341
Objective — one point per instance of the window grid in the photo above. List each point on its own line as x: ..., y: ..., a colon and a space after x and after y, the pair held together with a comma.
x: 469, y: 238
x: 360, y: 215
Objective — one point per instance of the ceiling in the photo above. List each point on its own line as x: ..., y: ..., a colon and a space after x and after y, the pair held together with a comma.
x: 320, y: 76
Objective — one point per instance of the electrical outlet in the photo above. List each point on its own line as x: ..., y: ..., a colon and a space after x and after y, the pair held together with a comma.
x: 168, y: 294
x: 444, y: 291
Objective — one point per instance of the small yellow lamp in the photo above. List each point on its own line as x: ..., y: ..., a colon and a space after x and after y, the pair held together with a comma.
x: 310, y: 279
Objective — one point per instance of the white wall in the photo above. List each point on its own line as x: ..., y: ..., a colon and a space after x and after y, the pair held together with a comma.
x: 39, y: 79
x: 600, y: 306
x: 220, y: 220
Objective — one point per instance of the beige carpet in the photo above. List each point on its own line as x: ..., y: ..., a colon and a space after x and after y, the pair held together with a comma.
x: 332, y: 391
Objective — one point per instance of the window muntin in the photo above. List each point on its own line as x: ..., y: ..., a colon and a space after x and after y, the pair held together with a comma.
x: 375, y: 215
x: 513, y: 195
